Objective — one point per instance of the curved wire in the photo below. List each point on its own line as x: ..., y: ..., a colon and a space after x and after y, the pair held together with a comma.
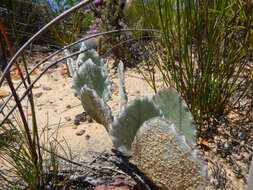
x: 35, y: 36
x: 56, y: 62
x: 42, y: 30
x: 70, y: 45
x: 33, y: 82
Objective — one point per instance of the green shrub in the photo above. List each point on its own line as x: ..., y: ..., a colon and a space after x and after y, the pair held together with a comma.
x: 111, y: 15
x: 73, y: 27
x: 206, y: 49
x: 22, y: 19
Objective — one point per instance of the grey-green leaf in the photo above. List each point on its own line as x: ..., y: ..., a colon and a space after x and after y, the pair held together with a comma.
x: 125, y: 125
x: 175, y: 109
x: 93, y: 55
x: 80, y: 59
x: 72, y: 67
x: 95, y: 106
x: 122, y: 87
x: 92, y: 75
x: 163, y: 155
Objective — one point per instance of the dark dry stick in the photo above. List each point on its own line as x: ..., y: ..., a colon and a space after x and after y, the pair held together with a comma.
x: 83, y: 165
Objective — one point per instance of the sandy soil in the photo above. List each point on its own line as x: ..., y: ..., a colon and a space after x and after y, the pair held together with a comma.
x: 56, y: 108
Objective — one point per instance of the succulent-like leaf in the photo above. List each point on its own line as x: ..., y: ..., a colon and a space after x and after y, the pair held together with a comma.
x: 250, y: 179
x: 163, y: 154
x: 71, y: 64
x: 95, y: 106
x: 175, y: 109
x: 122, y: 88
x: 92, y: 75
x: 93, y: 55
x: 80, y: 59
x: 124, y: 127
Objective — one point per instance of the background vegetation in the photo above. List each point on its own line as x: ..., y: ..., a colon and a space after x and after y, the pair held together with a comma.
x: 206, y: 49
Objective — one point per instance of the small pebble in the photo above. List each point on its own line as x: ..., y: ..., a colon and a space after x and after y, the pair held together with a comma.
x: 80, y: 118
x: 47, y: 88
x: 39, y: 94
x: 89, y: 119
x: 87, y: 137
x: 76, y: 122
x: 67, y: 118
x: 80, y: 133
